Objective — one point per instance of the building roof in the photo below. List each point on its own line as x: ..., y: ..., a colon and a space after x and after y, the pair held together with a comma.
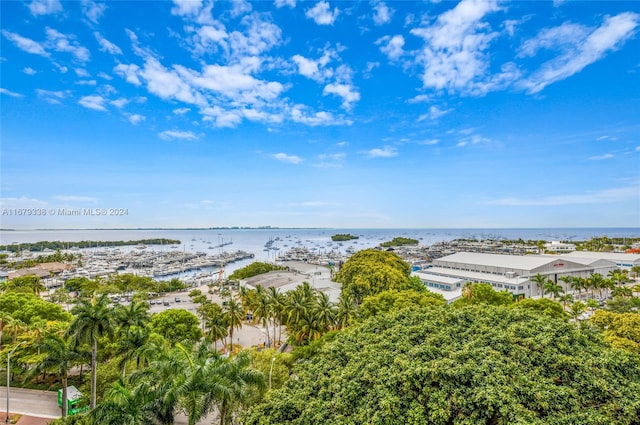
x: 477, y: 276
x: 520, y: 262
x: 618, y: 257
x: 436, y: 278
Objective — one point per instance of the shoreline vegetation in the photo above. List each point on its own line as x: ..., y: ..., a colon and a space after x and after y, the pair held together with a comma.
x: 343, y: 237
x: 56, y: 245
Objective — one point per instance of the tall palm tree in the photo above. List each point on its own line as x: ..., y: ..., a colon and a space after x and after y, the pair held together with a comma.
x: 263, y: 311
x: 618, y: 276
x: 217, y: 325
x: 347, y: 310
x: 93, y: 319
x: 325, y: 312
x: 237, y: 380
x: 550, y: 287
x: 122, y: 406
x: 59, y: 356
x: 567, y: 281
x: 135, y: 314
x: 539, y: 280
x: 233, y: 314
x: 277, y: 301
x: 130, y: 343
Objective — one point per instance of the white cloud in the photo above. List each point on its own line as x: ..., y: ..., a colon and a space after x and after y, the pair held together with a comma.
x: 386, y: 152
x: 64, y: 43
x: 434, y: 113
x: 605, y: 196
x: 298, y: 113
x: 421, y: 98
x: 186, y: 7
x: 181, y: 111
x: 86, y: 82
x: 454, y: 55
x: 176, y: 134
x: 129, y: 72
x: 382, y: 13
x: 75, y: 198
x: 29, y: 71
x: 292, y: 159
x: 321, y: 13
x: 317, y: 69
x: 600, y: 157
x: 346, y: 91
x: 391, y: 46
x: 585, y: 47
x: 240, y: 7
x: 106, y: 45
x: 136, y: 119
x: 93, y: 102
x: 26, y: 44
x: 53, y: 97
x: 282, y: 3
x: 44, y: 7
x: 81, y: 72
x: 92, y: 10
x: 105, y: 76
x: 430, y: 142
x: 119, y: 103
x: 9, y: 93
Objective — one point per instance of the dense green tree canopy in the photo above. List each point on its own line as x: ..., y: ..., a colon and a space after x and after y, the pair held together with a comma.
x: 371, y: 271
x: 472, y: 365
x: 483, y: 293
x: 393, y: 300
x: 176, y: 325
x: 544, y: 306
x: 30, y: 308
x: 254, y: 269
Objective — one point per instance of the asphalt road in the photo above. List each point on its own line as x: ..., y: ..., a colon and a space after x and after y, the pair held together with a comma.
x: 43, y: 404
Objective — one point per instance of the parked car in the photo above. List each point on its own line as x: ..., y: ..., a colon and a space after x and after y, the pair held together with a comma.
x: 177, y: 299
x: 166, y: 303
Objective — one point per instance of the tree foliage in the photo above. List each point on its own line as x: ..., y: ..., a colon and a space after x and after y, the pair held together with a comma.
x: 393, y: 300
x: 254, y: 269
x: 30, y: 308
x: 176, y: 325
x: 472, y: 365
x: 621, y: 330
x: 371, y: 271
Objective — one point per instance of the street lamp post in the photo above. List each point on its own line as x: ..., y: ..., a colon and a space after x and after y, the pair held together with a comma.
x: 9, y: 376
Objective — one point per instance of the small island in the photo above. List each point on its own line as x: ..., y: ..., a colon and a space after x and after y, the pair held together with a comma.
x: 399, y: 242
x: 341, y: 237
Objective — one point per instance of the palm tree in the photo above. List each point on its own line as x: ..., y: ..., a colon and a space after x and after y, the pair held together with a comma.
x: 59, y: 357
x: 122, y: 406
x: 135, y: 314
x: 619, y: 277
x: 237, y: 381
x: 93, y: 319
x: 577, y: 308
x: 217, y: 325
x: 233, y: 314
x: 263, y: 311
x: 567, y: 281
x: 550, y: 287
x: 565, y: 299
x: 539, y: 280
x: 277, y: 301
x: 347, y: 310
x: 325, y: 312
x: 621, y: 291
x: 129, y: 346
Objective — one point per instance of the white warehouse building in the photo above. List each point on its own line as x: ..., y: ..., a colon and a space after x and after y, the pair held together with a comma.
x: 513, y: 273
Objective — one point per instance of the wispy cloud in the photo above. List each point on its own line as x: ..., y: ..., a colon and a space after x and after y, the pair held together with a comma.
x: 29, y: 71
x: 605, y: 196
x: 579, y: 46
x: 93, y: 11
x: 292, y: 159
x: 321, y: 13
x: 601, y: 157
x: 434, y: 113
x: 382, y: 13
x: 385, y: 152
x: 391, y: 46
x: 21, y: 202
x: 347, y: 92
x: 93, y: 102
x: 177, y: 134
x: 10, y: 93
x: 282, y: 3
x: 106, y: 45
x: 53, y: 97
x: 44, y: 7
x: 26, y: 44
x: 135, y: 119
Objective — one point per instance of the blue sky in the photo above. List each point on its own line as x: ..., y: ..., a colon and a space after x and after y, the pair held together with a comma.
x: 479, y: 113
